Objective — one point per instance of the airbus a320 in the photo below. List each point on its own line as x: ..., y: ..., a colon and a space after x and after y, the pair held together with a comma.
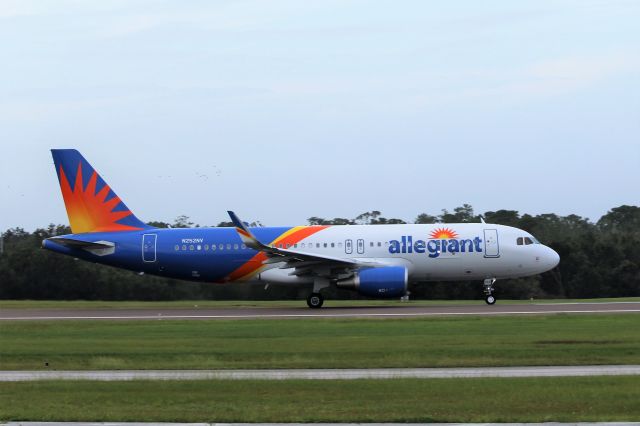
x: 376, y: 261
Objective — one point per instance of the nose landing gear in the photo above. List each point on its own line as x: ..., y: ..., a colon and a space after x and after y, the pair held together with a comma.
x: 488, y: 291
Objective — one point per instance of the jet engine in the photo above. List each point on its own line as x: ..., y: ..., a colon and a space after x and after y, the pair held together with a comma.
x: 388, y: 281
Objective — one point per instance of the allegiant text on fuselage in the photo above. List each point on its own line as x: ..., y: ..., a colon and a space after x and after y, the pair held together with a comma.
x: 434, y: 247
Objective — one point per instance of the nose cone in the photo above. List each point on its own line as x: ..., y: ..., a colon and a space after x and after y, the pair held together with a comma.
x: 551, y: 258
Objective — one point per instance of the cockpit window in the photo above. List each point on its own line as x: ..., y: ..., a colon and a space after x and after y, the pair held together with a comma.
x: 525, y: 241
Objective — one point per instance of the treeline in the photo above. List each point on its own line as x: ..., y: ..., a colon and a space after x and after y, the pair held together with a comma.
x: 598, y: 259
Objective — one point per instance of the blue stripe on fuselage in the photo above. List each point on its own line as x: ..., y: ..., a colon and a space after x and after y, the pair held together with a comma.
x: 192, y: 264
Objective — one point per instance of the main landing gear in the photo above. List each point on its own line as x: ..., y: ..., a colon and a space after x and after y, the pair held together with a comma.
x: 315, y: 300
x: 488, y: 291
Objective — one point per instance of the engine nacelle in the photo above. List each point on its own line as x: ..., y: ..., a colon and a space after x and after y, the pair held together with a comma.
x: 388, y: 281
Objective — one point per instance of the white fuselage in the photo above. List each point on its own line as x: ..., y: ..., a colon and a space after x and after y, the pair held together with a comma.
x: 467, y: 251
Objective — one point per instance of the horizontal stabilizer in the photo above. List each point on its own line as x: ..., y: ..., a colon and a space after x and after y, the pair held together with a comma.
x: 79, y: 244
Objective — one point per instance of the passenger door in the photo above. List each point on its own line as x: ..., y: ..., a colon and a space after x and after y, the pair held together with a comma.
x: 491, y: 244
x: 149, y: 247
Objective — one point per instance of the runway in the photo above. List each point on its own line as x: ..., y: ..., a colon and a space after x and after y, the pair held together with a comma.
x: 314, y: 424
x: 323, y: 374
x: 392, y: 311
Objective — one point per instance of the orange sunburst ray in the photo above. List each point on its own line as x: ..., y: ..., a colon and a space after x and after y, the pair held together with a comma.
x: 443, y: 234
x: 88, y: 211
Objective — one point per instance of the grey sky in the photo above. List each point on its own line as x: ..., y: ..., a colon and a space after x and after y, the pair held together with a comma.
x: 283, y: 110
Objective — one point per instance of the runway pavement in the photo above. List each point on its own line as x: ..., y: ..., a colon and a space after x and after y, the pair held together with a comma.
x: 355, y: 311
x: 306, y: 424
x: 324, y: 374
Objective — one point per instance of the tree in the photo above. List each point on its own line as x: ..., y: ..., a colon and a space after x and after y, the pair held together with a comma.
x: 462, y: 214
x: 182, y: 221
x: 503, y: 217
x: 158, y: 224
x: 624, y: 218
x: 426, y: 218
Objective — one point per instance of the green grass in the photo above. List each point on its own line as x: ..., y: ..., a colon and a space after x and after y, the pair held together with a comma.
x: 560, y: 339
x: 84, y: 304
x: 402, y: 400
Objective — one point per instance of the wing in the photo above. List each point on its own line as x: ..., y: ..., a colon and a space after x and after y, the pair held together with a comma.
x: 304, y: 263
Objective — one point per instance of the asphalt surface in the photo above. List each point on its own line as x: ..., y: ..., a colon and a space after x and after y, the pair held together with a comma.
x: 355, y: 311
x: 324, y: 374
x: 301, y: 424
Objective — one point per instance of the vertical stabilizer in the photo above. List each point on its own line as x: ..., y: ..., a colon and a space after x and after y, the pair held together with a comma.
x: 91, y: 204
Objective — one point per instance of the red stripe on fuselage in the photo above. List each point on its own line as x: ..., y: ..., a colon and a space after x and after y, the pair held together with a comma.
x: 253, y: 265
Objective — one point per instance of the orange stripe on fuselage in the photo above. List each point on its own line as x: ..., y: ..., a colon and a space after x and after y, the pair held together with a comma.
x: 254, y: 265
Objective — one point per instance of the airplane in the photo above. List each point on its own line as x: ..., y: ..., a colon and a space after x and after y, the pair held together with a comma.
x: 374, y: 260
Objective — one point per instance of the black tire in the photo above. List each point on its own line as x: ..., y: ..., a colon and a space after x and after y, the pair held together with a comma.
x: 491, y: 300
x: 315, y: 300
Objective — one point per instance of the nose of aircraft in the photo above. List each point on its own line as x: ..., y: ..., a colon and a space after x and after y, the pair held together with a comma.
x: 551, y: 258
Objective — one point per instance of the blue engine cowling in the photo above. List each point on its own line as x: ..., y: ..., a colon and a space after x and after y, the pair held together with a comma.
x: 388, y: 281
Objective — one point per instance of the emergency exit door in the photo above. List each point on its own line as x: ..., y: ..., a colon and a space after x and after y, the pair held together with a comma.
x: 348, y: 246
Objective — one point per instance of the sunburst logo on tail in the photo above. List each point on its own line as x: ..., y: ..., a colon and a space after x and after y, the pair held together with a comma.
x: 90, y: 211
x: 443, y: 234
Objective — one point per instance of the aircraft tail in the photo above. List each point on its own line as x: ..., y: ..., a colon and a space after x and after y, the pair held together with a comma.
x: 91, y: 204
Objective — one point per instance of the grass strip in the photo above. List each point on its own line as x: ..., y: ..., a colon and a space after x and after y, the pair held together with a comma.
x: 404, y: 400
x: 562, y: 339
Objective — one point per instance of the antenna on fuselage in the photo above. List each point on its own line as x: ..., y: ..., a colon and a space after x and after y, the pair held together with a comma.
x: 482, y: 219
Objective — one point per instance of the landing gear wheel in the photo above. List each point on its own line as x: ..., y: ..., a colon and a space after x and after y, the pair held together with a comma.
x: 315, y: 300
x: 488, y: 291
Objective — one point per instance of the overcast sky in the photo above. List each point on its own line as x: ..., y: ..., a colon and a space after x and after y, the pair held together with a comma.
x: 282, y: 110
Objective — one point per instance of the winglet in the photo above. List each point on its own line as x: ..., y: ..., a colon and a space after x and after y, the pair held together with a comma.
x: 245, y: 234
